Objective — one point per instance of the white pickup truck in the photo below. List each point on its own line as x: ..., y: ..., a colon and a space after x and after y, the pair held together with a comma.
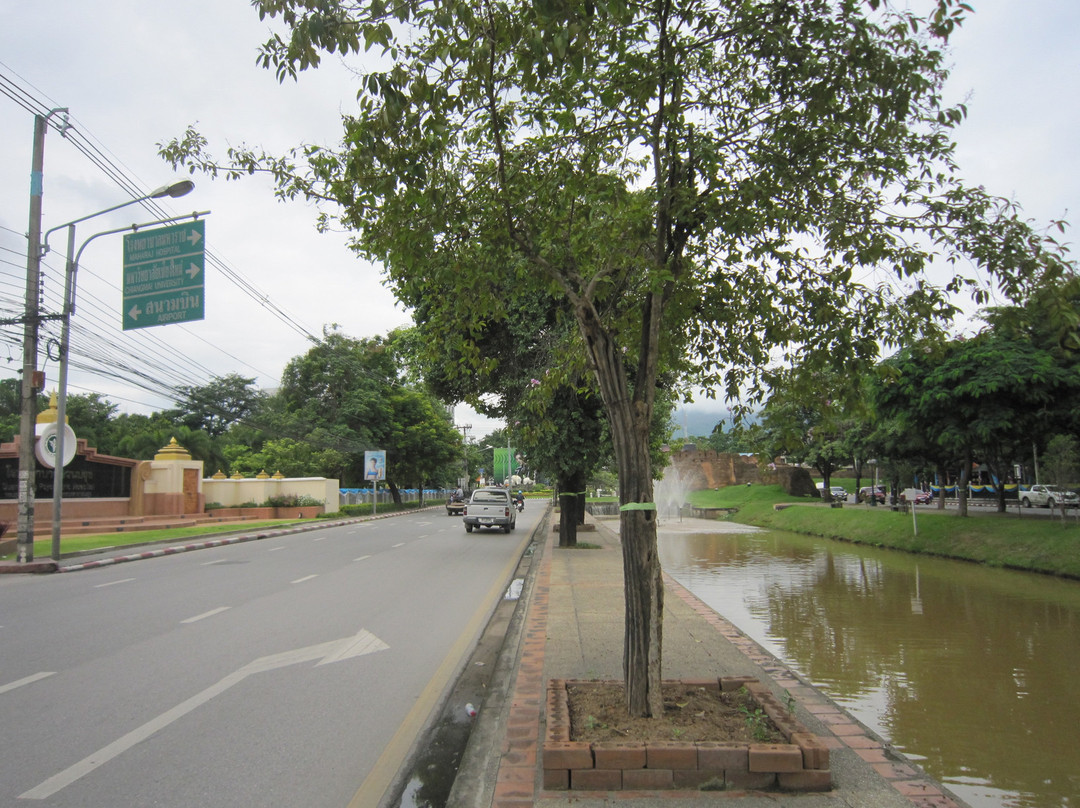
x: 1043, y: 496
x: 490, y: 507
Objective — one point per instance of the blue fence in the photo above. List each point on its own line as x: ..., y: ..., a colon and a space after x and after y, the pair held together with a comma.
x: 362, y: 496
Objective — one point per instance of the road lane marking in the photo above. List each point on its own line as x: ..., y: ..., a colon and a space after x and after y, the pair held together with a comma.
x: 305, y: 578
x: 204, y: 615
x: 275, y: 549
x: 321, y: 538
x: 359, y: 644
x: 27, y: 680
x: 382, y: 774
x: 362, y: 558
x: 113, y: 583
x: 400, y: 544
x: 211, y: 563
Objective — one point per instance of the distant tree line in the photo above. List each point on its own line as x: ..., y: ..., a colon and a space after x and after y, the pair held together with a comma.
x: 341, y: 398
x: 936, y: 409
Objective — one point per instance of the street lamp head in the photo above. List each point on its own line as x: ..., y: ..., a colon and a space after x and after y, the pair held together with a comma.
x: 178, y: 188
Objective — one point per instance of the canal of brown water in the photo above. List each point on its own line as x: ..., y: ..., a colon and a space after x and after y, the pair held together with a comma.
x: 970, y: 671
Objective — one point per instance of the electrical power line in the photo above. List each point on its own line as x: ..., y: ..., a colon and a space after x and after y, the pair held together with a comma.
x: 133, y: 355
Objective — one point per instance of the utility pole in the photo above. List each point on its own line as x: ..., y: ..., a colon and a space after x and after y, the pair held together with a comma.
x: 31, y: 381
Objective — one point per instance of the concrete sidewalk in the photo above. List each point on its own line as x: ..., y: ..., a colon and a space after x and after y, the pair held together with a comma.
x: 571, y: 627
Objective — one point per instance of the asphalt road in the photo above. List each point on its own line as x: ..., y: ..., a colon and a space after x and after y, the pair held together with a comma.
x: 297, y: 670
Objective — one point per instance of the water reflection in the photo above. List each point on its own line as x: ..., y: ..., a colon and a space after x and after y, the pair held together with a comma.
x: 972, y: 671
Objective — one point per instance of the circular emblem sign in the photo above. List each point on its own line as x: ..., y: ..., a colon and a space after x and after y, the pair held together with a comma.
x: 46, y: 445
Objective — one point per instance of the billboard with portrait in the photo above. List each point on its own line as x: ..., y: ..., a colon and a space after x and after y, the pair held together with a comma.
x: 375, y: 465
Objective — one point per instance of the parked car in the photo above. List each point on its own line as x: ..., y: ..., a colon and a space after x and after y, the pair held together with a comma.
x: 869, y: 491
x: 837, y: 492
x: 490, y: 507
x: 1045, y: 496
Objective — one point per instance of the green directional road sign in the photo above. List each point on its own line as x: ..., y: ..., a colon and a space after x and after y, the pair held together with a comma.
x: 163, y: 275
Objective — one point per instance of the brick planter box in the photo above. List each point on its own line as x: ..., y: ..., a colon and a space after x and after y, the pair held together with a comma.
x: 801, y: 764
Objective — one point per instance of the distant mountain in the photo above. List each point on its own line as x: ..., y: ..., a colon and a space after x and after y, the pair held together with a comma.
x: 699, y: 420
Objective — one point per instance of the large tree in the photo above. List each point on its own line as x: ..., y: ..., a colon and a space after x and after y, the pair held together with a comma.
x: 215, y: 406
x: 807, y: 418
x: 353, y: 395
x: 733, y: 181
x: 982, y: 398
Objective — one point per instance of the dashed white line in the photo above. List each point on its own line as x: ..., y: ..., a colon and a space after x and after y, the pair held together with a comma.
x: 204, y: 615
x: 114, y: 583
x: 275, y: 549
x: 211, y: 563
x: 320, y: 538
x: 305, y: 578
x: 361, y: 558
x: 26, y: 681
x: 400, y: 544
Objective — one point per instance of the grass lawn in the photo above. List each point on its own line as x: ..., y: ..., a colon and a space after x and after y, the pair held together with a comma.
x: 78, y: 544
x: 1005, y: 540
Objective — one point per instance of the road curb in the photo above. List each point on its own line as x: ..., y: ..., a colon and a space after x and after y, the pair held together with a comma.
x: 474, y: 784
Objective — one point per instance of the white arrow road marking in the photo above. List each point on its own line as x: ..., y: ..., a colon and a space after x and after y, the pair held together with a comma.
x: 326, y: 652
x: 26, y: 681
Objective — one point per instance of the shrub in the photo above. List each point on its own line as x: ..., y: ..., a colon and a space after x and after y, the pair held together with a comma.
x: 291, y: 501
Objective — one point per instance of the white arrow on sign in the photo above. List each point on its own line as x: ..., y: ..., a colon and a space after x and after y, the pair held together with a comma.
x: 326, y: 652
x: 194, y: 237
x: 135, y: 312
x: 193, y: 270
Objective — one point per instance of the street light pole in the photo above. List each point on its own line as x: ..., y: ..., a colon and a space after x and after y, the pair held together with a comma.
x: 176, y: 189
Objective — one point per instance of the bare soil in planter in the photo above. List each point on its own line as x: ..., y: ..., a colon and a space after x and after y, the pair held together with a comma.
x: 691, y: 713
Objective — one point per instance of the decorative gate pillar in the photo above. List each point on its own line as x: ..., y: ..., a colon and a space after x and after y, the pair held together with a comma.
x: 174, y: 483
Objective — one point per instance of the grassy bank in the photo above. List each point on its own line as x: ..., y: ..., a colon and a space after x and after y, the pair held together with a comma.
x: 71, y: 544
x: 98, y: 541
x: 1005, y: 540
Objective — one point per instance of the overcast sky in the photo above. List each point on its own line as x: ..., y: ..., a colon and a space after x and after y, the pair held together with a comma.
x: 134, y: 73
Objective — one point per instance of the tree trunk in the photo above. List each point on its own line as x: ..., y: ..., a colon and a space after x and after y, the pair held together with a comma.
x: 643, y: 582
x: 962, y: 485
x: 943, y: 480
x: 568, y: 509
x: 630, y: 418
x: 996, y: 468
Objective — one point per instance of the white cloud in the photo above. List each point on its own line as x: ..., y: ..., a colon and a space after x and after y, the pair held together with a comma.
x: 137, y: 72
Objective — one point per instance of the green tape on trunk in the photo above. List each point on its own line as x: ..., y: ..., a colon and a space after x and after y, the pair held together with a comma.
x: 638, y: 506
